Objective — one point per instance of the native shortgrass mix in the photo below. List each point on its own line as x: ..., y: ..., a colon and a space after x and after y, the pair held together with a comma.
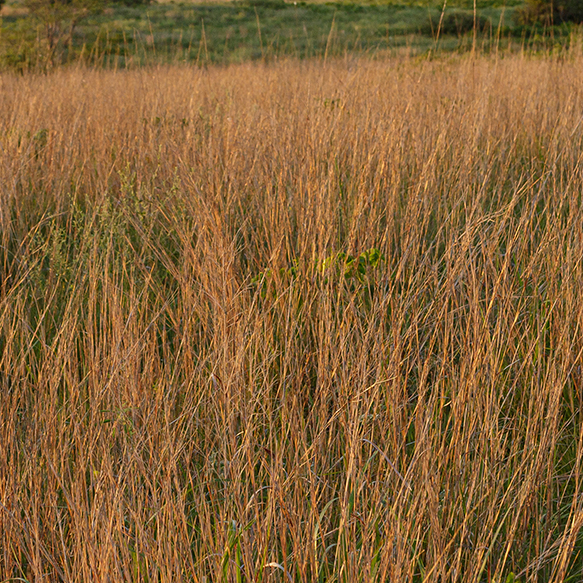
x: 305, y: 322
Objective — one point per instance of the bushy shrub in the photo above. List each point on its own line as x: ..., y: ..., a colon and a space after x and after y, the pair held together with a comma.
x: 571, y: 10
x: 56, y: 21
x: 19, y: 47
x: 265, y: 3
x: 550, y: 11
x: 454, y: 22
x: 132, y: 2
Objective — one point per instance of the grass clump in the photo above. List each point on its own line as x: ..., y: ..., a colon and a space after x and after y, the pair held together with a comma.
x: 306, y: 321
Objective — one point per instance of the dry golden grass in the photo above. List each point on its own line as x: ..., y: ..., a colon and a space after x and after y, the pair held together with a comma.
x: 196, y: 385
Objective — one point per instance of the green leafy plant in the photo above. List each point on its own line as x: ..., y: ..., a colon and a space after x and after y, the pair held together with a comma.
x: 264, y: 280
x: 354, y: 267
x: 357, y: 274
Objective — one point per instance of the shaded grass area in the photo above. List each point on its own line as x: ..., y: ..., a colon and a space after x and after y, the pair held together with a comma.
x: 235, y: 32
x: 304, y: 322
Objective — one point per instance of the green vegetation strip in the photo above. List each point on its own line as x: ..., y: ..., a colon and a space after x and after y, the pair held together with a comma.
x: 121, y: 35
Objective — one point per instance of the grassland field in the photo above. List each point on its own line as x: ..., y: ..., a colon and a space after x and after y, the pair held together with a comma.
x: 308, y: 320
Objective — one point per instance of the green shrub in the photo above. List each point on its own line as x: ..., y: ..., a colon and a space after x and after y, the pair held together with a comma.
x: 132, y: 2
x: 55, y: 22
x: 265, y: 3
x: 454, y: 22
x: 19, y: 49
x: 550, y: 12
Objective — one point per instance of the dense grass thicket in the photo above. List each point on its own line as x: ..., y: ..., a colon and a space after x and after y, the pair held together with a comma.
x: 303, y: 322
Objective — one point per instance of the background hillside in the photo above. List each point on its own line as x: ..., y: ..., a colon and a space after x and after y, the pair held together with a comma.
x: 117, y: 34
